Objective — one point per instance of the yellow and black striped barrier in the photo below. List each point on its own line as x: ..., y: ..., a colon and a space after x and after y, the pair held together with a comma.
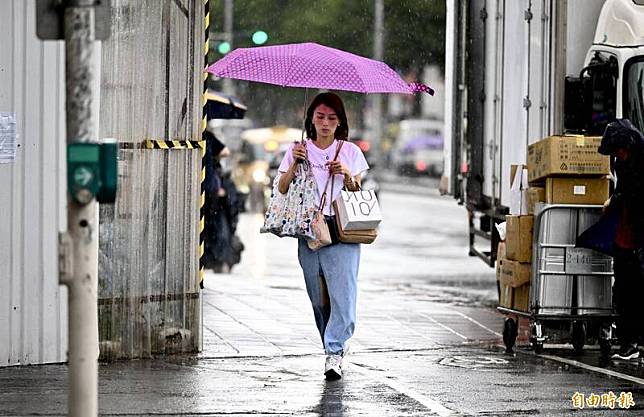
x: 204, y: 124
x: 173, y: 144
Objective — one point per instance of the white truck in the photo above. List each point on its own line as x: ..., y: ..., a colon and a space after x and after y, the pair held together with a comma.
x: 517, y: 71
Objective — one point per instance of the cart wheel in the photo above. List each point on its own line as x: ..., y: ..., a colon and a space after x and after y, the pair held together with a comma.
x: 538, y: 347
x: 509, y: 334
x: 578, y: 336
x: 536, y: 337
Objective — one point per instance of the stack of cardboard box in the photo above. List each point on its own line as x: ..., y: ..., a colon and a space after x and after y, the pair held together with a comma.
x: 567, y: 170
x: 515, y: 253
x: 560, y: 170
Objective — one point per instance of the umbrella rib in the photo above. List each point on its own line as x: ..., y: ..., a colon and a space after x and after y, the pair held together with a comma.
x: 288, y: 72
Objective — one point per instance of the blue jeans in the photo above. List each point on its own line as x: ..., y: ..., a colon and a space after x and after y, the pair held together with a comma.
x: 331, y: 277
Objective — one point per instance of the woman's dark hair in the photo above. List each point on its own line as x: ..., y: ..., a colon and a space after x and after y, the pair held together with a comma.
x: 335, y: 102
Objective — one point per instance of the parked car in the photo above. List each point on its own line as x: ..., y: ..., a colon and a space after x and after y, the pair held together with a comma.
x: 419, y: 148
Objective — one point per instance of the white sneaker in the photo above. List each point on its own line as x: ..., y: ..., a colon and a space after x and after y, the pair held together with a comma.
x: 333, y: 367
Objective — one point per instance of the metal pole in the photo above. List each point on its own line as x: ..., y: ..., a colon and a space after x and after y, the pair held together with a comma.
x: 378, y: 47
x: 228, y: 86
x: 82, y: 219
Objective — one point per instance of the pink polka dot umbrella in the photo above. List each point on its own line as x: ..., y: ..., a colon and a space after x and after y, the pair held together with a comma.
x: 310, y: 65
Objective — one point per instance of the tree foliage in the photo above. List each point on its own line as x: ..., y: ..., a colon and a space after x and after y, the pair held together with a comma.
x: 414, y: 37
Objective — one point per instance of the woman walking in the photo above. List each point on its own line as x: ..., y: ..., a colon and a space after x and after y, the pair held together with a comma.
x: 330, y: 273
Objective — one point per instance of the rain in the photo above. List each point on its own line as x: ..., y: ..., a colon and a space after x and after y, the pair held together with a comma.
x: 185, y: 233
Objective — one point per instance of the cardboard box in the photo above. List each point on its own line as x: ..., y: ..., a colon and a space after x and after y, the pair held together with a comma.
x: 500, y: 256
x: 513, y: 284
x: 514, y: 274
x: 521, y: 297
x: 535, y: 195
x: 518, y: 238
x: 577, y: 190
x: 505, y: 295
x: 566, y: 155
x: 500, y: 251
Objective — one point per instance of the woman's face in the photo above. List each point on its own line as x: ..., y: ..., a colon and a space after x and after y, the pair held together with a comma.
x: 325, y: 120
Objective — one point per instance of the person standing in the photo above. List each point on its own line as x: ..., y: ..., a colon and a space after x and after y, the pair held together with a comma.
x: 330, y: 273
x: 625, y: 144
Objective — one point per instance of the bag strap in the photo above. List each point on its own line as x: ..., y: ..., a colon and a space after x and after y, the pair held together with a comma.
x: 331, y: 177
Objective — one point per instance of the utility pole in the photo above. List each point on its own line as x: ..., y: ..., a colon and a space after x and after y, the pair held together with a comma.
x: 376, y: 99
x: 82, y: 213
x: 92, y: 177
x: 228, y: 86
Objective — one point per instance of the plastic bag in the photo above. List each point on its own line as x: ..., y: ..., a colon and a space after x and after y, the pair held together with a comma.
x: 500, y: 227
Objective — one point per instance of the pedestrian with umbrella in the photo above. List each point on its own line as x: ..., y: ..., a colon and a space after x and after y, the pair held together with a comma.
x: 331, y: 272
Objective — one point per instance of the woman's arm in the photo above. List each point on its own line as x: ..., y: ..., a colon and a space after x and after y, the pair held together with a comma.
x: 287, y: 178
x: 299, y: 153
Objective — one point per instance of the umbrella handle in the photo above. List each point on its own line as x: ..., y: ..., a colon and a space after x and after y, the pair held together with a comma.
x: 306, y: 94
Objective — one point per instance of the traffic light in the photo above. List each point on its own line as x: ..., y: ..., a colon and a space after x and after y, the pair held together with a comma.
x: 223, y: 47
x: 259, y: 37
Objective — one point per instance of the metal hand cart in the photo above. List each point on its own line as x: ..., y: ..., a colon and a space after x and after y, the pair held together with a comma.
x: 567, y: 284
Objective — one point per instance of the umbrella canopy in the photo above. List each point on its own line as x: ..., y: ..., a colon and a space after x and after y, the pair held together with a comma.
x: 313, y: 66
x: 220, y: 106
x: 279, y: 134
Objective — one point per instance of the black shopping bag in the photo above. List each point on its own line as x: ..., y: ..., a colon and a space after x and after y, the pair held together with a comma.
x: 600, y: 236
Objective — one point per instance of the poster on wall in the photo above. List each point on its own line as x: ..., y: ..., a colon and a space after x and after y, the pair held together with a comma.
x: 7, y: 137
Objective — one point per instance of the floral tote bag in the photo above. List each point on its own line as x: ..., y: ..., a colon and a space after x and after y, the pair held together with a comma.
x: 291, y: 214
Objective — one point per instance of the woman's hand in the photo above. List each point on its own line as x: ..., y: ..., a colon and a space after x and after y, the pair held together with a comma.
x: 337, y: 168
x: 299, y: 152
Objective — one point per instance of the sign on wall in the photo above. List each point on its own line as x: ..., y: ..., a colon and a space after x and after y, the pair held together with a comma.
x: 7, y: 137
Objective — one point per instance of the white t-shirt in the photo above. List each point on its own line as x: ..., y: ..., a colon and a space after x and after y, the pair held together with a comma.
x: 350, y: 155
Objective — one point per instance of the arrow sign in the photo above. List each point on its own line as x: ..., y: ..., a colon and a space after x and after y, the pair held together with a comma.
x: 83, y: 176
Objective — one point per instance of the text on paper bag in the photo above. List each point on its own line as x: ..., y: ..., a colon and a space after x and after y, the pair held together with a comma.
x: 362, y: 206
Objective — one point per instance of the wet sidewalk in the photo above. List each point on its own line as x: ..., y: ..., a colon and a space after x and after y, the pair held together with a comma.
x: 262, y: 357
x: 427, y: 342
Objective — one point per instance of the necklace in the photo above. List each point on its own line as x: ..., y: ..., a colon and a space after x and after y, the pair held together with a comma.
x: 328, y: 152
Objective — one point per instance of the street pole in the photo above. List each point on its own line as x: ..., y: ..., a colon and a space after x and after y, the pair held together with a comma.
x: 228, y: 85
x: 82, y: 217
x: 376, y: 103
